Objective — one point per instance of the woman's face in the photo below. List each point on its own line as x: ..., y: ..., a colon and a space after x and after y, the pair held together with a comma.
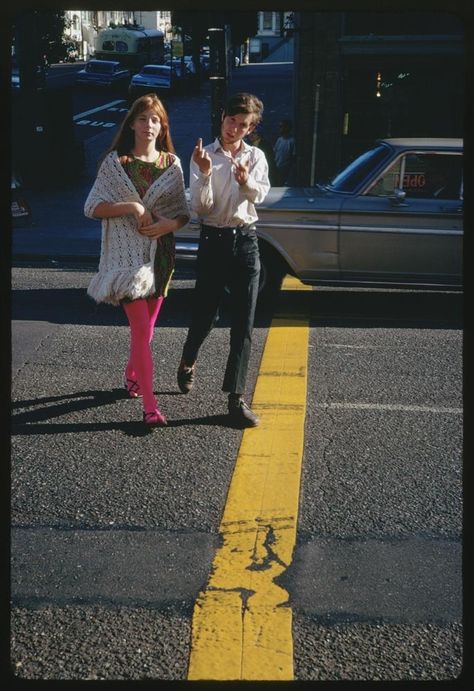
x: 146, y: 126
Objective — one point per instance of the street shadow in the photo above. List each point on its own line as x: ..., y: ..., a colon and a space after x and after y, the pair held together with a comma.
x: 74, y: 306
x: 34, y: 422
x: 338, y: 307
x: 374, y: 308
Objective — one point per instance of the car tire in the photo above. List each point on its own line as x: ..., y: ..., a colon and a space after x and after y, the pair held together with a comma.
x: 272, y: 271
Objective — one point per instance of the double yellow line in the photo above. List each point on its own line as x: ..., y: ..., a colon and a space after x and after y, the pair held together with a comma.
x: 242, y: 621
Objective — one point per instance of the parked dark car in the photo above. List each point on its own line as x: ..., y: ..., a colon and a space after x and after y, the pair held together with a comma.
x: 105, y: 73
x: 151, y: 78
x: 393, y: 217
x: 20, y: 209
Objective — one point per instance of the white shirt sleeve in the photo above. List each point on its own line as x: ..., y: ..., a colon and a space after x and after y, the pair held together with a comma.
x: 202, y: 199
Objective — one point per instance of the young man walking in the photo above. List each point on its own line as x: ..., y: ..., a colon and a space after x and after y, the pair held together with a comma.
x: 227, y: 179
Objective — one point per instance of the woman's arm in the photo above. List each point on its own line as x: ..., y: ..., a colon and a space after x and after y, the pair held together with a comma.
x: 113, y: 209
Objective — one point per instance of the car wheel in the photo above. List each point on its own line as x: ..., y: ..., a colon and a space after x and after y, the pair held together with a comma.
x: 272, y: 270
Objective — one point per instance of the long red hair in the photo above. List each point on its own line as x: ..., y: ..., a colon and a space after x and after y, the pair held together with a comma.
x: 124, y: 140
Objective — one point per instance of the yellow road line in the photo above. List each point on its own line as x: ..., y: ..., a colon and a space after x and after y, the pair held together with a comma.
x: 242, y: 622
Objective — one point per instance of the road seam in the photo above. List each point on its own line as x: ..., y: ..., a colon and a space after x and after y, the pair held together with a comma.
x: 242, y: 621
x: 392, y: 407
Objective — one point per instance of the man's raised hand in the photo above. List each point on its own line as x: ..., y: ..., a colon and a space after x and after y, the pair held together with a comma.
x: 241, y: 172
x: 202, y: 158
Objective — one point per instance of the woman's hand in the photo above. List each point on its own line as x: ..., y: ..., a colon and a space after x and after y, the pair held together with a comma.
x: 141, y: 214
x: 162, y: 226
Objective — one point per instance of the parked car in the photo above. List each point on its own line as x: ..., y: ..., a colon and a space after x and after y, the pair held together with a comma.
x: 181, y: 77
x: 20, y: 209
x: 108, y: 73
x: 393, y: 217
x: 157, y: 78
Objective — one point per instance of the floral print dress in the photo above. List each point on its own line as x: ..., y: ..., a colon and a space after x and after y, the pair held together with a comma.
x: 143, y: 174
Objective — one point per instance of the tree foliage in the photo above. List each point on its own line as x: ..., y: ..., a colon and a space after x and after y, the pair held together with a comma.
x: 40, y: 33
x: 51, y: 25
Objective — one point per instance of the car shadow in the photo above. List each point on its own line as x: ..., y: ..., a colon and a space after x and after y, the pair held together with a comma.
x: 341, y: 307
x: 375, y: 308
x: 74, y: 306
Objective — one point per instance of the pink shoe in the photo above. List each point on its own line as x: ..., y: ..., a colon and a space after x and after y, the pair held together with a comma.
x: 132, y: 387
x: 154, y: 418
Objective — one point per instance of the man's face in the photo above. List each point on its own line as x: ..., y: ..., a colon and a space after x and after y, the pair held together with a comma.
x: 236, y: 127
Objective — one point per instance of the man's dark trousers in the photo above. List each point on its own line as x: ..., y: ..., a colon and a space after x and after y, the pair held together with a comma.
x: 227, y: 256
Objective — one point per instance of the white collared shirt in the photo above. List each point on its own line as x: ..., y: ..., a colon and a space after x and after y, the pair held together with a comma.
x: 218, y: 199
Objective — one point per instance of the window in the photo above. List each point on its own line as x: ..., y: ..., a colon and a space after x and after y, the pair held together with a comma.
x: 121, y: 47
x: 267, y: 21
x: 99, y: 67
x: 349, y: 179
x: 159, y: 70
x: 425, y: 176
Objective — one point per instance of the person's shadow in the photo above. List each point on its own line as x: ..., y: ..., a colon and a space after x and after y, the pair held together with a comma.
x: 38, y: 421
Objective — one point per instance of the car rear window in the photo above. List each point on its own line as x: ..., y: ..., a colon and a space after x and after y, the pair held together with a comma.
x: 99, y: 67
x: 350, y: 179
x: 162, y: 71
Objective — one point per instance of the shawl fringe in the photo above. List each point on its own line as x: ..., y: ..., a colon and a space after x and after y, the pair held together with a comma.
x: 114, y: 285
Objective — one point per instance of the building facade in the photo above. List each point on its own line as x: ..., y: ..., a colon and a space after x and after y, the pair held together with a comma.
x: 83, y: 25
x: 274, y: 39
x: 361, y: 76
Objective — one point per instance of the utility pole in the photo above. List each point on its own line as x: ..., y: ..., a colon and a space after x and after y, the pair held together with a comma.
x: 28, y: 107
x: 43, y: 135
x: 218, y: 74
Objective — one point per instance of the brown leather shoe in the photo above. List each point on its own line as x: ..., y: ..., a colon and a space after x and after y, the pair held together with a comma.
x: 185, y: 376
x: 240, y: 414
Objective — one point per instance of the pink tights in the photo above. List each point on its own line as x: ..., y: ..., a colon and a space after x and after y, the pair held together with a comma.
x: 142, y: 315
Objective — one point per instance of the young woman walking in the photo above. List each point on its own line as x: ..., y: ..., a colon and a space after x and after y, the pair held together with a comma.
x: 139, y: 195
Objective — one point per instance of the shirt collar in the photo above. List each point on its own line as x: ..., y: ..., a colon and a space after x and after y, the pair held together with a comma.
x: 216, y: 146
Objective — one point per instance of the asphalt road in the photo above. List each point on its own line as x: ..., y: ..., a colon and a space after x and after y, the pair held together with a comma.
x: 114, y: 529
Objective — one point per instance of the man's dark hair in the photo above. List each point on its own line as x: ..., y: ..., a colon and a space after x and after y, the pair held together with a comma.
x: 244, y: 103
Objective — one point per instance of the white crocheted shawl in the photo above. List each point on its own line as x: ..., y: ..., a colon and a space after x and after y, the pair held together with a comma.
x: 126, y: 257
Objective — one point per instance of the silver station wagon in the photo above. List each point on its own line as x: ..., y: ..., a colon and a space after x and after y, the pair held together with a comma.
x: 393, y: 217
